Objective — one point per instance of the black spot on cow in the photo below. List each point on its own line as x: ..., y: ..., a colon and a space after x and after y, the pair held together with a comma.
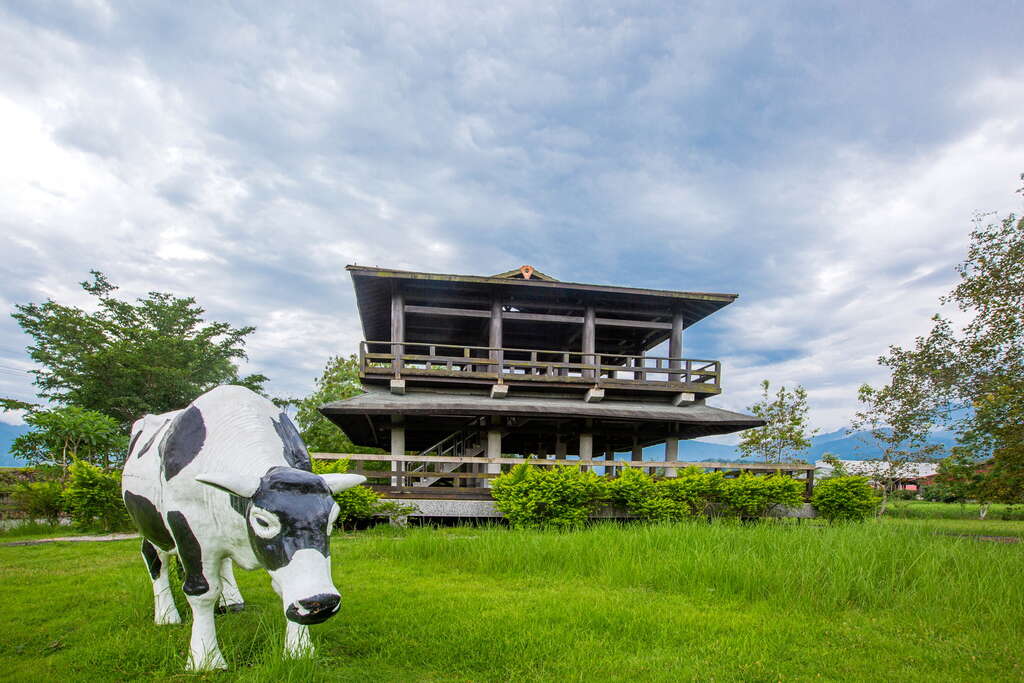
x: 149, y: 442
x: 152, y: 558
x: 190, y: 552
x: 135, y: 438
x: 148, y: 520
x: 184, y: 440
x: 295, y: 453
x: 303, y: 504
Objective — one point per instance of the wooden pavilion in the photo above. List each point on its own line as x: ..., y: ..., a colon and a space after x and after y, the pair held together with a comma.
x: 473, y: 373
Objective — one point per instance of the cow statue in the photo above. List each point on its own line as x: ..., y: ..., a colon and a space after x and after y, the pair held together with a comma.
x: 228, y: 479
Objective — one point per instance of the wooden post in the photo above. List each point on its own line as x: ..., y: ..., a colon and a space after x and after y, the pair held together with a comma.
x: 589, y: 340
x: 675, y: 346
x: 810, y: 483
x: 397, y: 329
x: 559, y: 446
x: 494, y: 338
x: 493, y: 450
x: 397, y: 449
x: 671, y: 454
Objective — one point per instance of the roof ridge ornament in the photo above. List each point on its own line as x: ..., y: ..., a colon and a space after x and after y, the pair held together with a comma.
x: 527, y: 271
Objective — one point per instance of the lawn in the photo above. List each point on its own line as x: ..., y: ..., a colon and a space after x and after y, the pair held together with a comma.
x: 892, y: 600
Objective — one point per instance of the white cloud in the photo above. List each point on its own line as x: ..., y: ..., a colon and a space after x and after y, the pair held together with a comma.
x: 824, y: 172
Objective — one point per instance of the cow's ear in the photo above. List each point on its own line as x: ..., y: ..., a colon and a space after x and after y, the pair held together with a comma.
x: 339, y: 482
x: 243, y: 485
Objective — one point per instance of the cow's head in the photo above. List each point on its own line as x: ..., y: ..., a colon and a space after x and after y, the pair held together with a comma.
x: 289, y: 516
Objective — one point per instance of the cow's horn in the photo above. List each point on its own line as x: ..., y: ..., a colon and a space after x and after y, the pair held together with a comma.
x: 243, y: 485
x: 339, y: 482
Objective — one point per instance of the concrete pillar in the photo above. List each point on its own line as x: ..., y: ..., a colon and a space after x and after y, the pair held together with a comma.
x: 559, y: 447
x: 671, y: 453
x: 397, y: 449
x: 586, y: 449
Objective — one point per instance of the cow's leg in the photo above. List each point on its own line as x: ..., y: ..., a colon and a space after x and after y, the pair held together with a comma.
x: 230, y: 597
x: 202, y: 590
x: 157, y: 561
x: 204, y: 653
x: 296, y: 640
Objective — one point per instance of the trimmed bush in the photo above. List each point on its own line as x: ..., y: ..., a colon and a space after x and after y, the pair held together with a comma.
x: 93, y: 498
x: 696, y: 490
x: 748, y: 496
x: 692, y: 493
x: 556, y: 497
x: 847, y: 499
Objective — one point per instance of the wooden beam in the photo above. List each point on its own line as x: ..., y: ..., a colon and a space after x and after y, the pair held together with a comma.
x: 642, y: 324
x: 537, y: 317
x: 746, y: 466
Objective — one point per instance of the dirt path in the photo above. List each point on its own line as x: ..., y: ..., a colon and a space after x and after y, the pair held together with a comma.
x: 72, y: 539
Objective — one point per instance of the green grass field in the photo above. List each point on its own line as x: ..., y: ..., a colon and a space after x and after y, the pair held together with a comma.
x: 903, y: 599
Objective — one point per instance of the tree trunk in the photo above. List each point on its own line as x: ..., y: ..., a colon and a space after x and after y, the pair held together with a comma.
x: 983, y: 511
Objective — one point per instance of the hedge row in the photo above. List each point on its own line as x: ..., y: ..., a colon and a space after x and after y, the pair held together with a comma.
x: 565, y: 497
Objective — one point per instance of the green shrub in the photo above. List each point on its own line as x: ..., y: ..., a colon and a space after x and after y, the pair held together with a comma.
x: 844, y: 499
x: 39, y: 500
x: 692, y: 493
x: 631, y: 488
x: 359, y: 503
x: 558, y: 497
x: 693, y: 488
x: 748, y: 496
x: 904, y: 494
x: 93, y: 498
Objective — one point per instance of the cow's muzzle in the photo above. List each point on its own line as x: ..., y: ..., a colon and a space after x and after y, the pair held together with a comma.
x: 313, y: 610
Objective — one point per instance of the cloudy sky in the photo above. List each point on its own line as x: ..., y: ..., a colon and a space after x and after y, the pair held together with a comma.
x: 823, y: 160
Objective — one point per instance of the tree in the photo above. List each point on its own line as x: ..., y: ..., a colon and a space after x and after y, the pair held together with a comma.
x: 340, y: 380
x: 62, y: 435
x: 127, y: 359
x: 892, y: 419
x: 973, y: 377
x: 785, y: 433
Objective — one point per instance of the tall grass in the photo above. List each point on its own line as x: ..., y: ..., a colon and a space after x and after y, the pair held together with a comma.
x: 887, y: 600
x: 864, y: 566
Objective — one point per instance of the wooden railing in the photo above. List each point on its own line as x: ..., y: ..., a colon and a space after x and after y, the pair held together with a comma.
x: 446, y: 360
x: 409, y: 468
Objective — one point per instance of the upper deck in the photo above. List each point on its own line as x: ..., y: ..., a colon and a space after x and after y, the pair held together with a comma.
x: 524, y: 328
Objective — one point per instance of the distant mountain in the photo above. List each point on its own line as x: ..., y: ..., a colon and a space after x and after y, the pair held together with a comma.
x: 840, y: 443
x: 8, y: 433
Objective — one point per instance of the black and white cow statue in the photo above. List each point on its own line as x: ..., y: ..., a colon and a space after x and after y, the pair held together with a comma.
x: 225, y: 480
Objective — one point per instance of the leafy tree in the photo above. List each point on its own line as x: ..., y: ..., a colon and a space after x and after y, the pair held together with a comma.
x: 785, y: 433
x: 340, y: 380
x: 973, y: 378
x: 960, y: 477
x: 62, y: 435
x: 892, y: 420
x: 127, y: 359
